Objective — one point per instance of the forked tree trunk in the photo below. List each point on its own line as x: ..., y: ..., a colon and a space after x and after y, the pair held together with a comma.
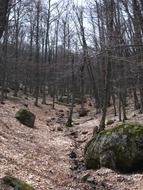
x: 110, y: 22
x: 106, y: 91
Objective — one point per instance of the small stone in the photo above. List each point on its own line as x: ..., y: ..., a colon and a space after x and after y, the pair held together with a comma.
x: 84, y: 132
x: 120, y: 179
x: 76, y: 123
x: 83, y: 113
x: 74, y: 168
x: 72, y: 155
x: 85, y: 176
x: 62, y: 115
x: 61, y: 111
x: 134, y: 115
x: 74, y: 134
x: 81, y: 141
x: 90, y: 104
x: 110, y: 122
x: 59, y: 128
x: 91, y: 179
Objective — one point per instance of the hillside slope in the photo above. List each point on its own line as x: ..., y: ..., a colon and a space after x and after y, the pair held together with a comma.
x: 40, y: 156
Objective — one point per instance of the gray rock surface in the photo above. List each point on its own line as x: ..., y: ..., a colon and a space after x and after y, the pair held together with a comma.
x: 119, y: 148
x: 26, y: 117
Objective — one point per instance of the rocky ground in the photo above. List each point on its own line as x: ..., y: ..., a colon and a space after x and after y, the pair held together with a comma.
x: 50, y: 156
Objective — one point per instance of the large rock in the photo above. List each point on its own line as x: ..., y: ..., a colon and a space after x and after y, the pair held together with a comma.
x: 26, y: 117
x: 17, y: 184
x: 119, y: 148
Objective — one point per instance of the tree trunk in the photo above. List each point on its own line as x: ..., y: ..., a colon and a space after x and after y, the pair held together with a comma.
x: 3, y: 13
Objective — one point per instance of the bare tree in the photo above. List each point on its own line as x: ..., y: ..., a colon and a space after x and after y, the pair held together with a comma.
x: 37, y: 58
x: 3, y: 13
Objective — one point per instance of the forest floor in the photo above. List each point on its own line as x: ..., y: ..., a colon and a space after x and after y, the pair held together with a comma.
x: 50, y: 156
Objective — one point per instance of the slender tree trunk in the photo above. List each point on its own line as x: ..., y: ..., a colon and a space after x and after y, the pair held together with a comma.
x: 120, y: 113
x: 136, y: 101
x: 3, y: 13
x: 4, y: 62
x: 69, y: 122
x: 110, y: 16
x: 37, y: 79
x: 47, y: 45
x: 114, y: 103
x: 106, y: 91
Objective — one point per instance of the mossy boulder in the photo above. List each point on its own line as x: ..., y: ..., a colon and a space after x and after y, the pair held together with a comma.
x: 64, y: 100
x: 83, y: 112
x: 110, y: 122
x: 68, y: 100
x: 119, y: 148
x: 16, y: 183
x: 26, y: 117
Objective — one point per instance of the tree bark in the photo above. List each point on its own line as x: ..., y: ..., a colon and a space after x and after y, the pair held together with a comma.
x: 3, y: 13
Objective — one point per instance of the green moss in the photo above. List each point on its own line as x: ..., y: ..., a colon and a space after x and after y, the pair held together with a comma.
x: 92, y: 163
x: 68, y: 100
x: 110, y: 122
x: 83, y: 112
x: 23, y: 115
x: 64, y: 100
x: 26, y: 117
x: 89, y: 144
x: 117, y: 148
x: 16, y: 183
x: 133, y: 128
